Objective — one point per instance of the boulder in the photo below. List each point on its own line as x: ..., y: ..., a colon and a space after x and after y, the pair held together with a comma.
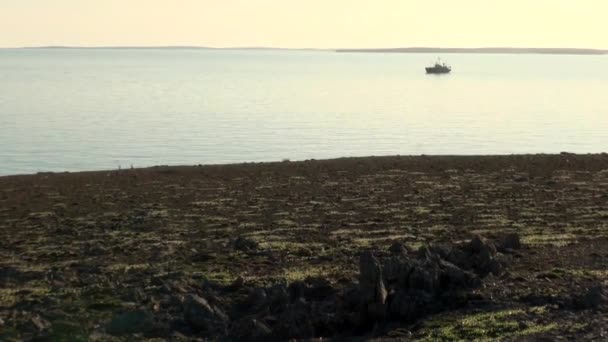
x: 371, y: 283
x: 482, y: 258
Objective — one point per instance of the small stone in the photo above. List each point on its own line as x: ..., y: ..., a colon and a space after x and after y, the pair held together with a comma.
x: 244, y: 244
x: 510, y: 242
x: 96, y: 336
x: 593, y: 298
x: 40, y: 323
x: 236, y: 284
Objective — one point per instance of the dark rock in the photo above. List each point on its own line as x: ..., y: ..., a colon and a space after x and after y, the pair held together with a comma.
x: 328, y: 316
x: 236, y: 284
x: 453, y: 277
x: 311, y: 289
x: 396, y: 270
x: 594, y: 298
x: 278, y: 296
x: 371, y: 283
x: 459, y: 258
x: 480, y: 245
x: 203, y: 316
x: 257, y: 298
x: 496, y: 267
x: 510, y: 242
x: 400, y: 286
x: 296, y: 290
x: 196, y: 257
x: 377, y: 311
x: 350, y: 297
x: 410, y: 305
x: 437, y: 250
x: 250, y: 329
x: 244, y: 244
x: 398, y: 248
x: 131, y: 322
x: 483, y: 256
x: 96, y: 250
x: 40, y: 323
x: 296, y: 322
x: 425, y: 277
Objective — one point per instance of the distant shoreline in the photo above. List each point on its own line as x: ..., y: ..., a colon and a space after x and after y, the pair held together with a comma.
x: 587, y: 158
x: 491, y: 50
x: 546, y: 51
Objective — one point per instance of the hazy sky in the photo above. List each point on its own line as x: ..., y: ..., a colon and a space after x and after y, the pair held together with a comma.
x: 305, y: 23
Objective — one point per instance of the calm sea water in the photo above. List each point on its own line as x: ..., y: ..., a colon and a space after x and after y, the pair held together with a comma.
x: 101, y: 109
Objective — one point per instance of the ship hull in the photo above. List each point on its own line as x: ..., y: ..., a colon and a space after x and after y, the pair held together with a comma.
x: 433, y: 70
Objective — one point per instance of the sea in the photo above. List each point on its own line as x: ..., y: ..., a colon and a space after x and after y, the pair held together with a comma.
x: 105, y: 109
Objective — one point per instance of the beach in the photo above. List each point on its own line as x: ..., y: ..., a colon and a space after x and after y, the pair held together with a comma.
x: 134, y: 253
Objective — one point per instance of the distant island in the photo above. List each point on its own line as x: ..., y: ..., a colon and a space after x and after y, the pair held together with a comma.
x: 177, y: 47
x: 550, y: 51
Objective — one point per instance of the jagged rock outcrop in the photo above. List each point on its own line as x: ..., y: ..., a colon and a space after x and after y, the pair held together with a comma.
x: 395, y: 285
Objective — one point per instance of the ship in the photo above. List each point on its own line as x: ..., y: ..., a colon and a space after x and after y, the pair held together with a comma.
x: 439, y: 68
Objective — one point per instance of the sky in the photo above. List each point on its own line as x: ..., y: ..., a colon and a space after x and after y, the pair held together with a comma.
x: 305, y: 23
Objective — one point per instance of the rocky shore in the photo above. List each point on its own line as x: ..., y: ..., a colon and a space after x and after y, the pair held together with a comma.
x: 379, y: 248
